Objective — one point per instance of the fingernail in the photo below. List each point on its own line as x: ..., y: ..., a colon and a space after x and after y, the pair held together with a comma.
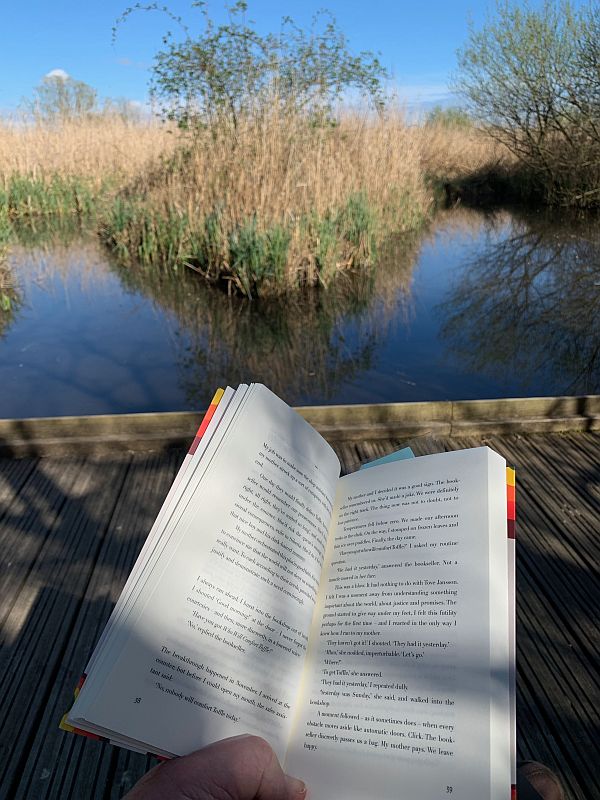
x: 296, y: 788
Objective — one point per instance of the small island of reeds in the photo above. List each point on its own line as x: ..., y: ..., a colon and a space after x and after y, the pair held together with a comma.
x: 269, y: 206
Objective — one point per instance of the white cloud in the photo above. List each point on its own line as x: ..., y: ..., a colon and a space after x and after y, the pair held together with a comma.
x: 421, y: 89
x: 416, y: 93
x: 57, y: 73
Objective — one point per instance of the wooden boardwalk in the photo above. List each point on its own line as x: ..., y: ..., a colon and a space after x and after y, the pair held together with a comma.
x: 70, y: 529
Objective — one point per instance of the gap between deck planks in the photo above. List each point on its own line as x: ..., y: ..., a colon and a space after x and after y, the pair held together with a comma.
x: 71, y: 529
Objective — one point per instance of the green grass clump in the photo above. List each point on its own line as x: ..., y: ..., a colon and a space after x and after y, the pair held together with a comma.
x: 250, y: 257
x: 257, y: 258
x: 5, y: 233
x: 138, y: 234
x: 244, y: 255
x: 343, y: 238
x: 24, y: 197
x: 9, y: 294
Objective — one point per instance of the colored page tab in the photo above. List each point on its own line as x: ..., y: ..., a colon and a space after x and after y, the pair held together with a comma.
x: 399, y: 455
x: 511, y: 511
x: 206, y: 419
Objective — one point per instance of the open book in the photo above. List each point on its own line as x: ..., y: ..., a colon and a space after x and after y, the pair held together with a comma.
x: 362, y: 625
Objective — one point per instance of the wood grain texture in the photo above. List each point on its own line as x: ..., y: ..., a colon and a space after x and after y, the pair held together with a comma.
x: 70, y: 530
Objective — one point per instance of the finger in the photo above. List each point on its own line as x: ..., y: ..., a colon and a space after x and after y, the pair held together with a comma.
x: 242, y: 768
x: 295, y: 787
x: 247, y: 768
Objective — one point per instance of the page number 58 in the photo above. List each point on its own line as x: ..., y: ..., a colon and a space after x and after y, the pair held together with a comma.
x: 138, y: 700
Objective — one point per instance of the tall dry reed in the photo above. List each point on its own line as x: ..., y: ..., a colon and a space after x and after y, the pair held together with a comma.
x: 92, y: 148
x: 277, y: 201
x: 281, y: 167
x: 455, y: 153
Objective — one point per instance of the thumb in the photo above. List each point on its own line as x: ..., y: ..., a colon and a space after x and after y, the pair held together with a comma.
x: 241, y: 768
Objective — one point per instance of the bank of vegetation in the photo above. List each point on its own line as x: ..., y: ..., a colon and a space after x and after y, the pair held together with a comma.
x: 529, y: 77
x: 257, y: 179
x: 274, y: 203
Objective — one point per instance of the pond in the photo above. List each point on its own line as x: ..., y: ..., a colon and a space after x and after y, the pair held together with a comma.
x: 482, y: 305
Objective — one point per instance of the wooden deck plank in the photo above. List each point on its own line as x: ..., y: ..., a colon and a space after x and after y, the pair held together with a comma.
x: 555, y: 609
x: 86, y: 543
x: 580, y: 473
x: 558, y: 546
x: 562, y: 506
x: 59, y: 576
x: 39, y: 494
x: 553, y: 532
x: 30, y: 520
x: 536, y: 742
x: 47, y: 748
x: 565, y: 701
x: 578, y: 502
x: 349, y: 458
x: 577, y: 656
x: 148, y: 482
x: 14, y: 474
x: 87, y: 771
x: 586, y: 444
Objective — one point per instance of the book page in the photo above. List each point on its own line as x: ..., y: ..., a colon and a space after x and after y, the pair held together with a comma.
x: 219, y: 645
x: 158, y: 528
x: 158, y: 551
x: 406, y: 687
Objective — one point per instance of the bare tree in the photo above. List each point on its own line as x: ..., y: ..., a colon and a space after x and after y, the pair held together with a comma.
x: 532, y: 79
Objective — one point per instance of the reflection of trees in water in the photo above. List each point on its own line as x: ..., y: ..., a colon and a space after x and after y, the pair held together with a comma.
x: 37, y: 253
x: 529, y: 302
x: 10, y: 297
x: 49, y: 234
x: 66, y: 253
x: 304, y: 346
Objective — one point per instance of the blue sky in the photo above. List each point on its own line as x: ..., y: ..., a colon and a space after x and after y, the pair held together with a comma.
x: 417, y: 41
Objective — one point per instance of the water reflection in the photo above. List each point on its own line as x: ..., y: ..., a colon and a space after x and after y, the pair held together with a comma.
x: 527, y: 303
x: 495, y: 305
x: 301, y: 347
x: 80, y: 344
x: 10, y: 296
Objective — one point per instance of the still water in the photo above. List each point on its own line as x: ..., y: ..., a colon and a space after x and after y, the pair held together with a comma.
x: 503, y: 304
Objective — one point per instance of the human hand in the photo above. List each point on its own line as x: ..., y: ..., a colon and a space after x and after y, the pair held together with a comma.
x: 241, y: 768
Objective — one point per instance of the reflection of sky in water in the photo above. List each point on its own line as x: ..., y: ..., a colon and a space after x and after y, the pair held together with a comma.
x: 412, y: 363
x: 81, y: 343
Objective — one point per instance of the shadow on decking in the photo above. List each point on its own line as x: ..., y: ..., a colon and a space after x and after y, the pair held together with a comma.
x: 72, y: 527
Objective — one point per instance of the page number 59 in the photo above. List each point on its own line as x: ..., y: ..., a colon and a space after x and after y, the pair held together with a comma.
x: 448, y: 789
x: 138, y: 700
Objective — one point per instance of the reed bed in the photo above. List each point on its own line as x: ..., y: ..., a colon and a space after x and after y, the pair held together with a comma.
x: 9, y: 294
x: 276, y: 202
x: 72, y: 169
x: 455, y: 153
x: 96, y: 148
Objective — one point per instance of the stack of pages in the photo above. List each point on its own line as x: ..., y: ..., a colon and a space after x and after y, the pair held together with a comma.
x: 363, y: 625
